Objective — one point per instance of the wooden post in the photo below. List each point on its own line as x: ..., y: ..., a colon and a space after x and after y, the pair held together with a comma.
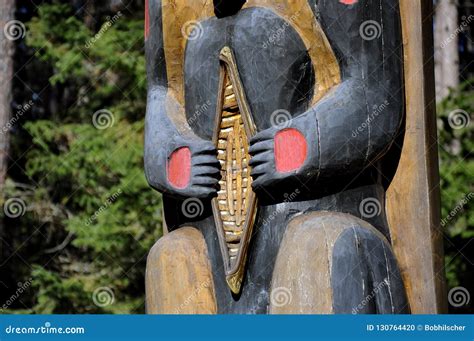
x: 413, y: 199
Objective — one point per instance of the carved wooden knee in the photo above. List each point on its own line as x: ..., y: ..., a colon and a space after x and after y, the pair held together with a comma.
x: 178, y: 275
x: 335, y: 263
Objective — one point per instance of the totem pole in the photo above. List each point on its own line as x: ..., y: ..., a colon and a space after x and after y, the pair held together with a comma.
x: 294, y: 144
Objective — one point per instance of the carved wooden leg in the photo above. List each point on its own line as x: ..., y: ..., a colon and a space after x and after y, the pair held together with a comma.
x: 335, y: 263
x: 178, y: 275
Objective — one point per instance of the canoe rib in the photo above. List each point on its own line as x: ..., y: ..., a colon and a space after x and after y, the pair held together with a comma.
x: 235, y: 206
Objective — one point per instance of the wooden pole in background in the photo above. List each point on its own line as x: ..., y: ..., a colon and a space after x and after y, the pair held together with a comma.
x: 446, y: 47
x: 7, y: 36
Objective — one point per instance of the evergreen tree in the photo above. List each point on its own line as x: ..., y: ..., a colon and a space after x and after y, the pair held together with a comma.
x: 89, y: 216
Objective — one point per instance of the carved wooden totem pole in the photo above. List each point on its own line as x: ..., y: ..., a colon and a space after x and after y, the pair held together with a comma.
x: 294, y: 143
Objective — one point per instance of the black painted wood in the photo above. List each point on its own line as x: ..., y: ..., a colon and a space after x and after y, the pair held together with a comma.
x: 365, y: 277
x: 341, y: 170
x: 224, y: 8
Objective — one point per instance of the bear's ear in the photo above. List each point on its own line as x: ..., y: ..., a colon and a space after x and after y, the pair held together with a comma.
x: 225, y: 8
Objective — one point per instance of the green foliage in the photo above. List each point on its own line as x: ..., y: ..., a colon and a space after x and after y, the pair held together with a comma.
x: 91, y: 217
x: 456, y: 140
x: 58, y: 294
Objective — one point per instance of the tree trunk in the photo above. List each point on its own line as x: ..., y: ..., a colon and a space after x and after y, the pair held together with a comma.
x: 446, y: 35
x: 89, y: 15
x: 7, y: 36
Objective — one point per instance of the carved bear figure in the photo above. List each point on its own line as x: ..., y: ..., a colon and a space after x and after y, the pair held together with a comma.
x: 321, y: 82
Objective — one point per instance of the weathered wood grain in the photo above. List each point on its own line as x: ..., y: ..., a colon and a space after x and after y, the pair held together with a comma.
x: 332, y: 262
x: 413, y: 206
x: 178, y: 275
x: 187, y: 14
